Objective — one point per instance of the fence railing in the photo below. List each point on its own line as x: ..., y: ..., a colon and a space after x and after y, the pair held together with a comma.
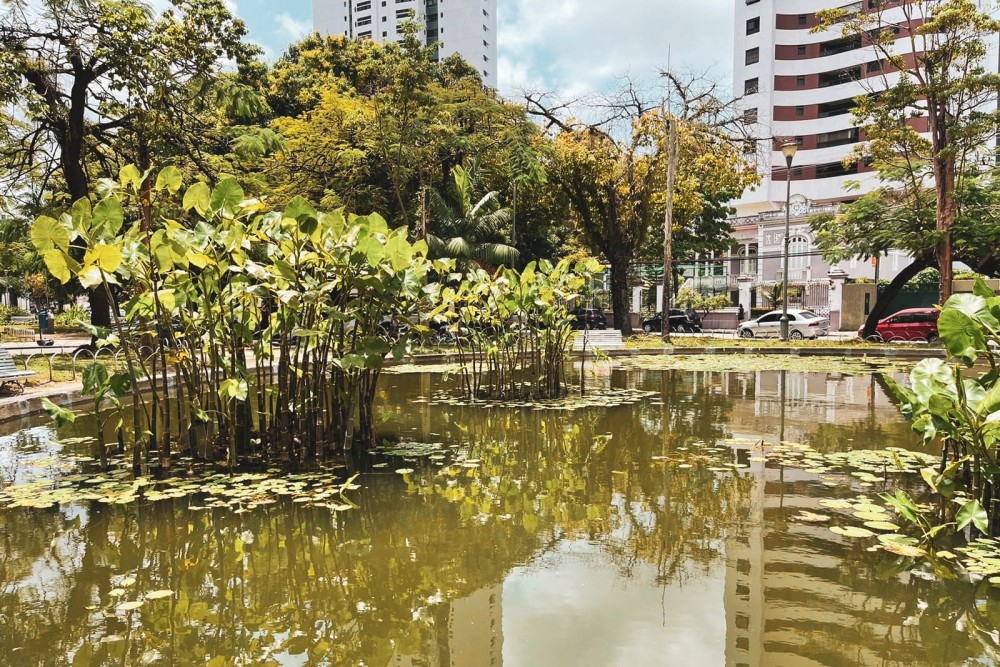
x: 16, y: 333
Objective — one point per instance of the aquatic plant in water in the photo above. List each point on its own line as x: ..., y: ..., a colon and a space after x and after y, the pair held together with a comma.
x: 513, y: 329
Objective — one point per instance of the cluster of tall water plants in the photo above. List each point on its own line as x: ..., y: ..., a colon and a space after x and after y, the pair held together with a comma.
x: 514, y: 329
x: 246, y: 332
x: 958, y: 406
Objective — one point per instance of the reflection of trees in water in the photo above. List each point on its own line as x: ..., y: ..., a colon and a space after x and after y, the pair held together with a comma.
x: 253, y: 585
x: 831, y: 601
x: 561, y: 475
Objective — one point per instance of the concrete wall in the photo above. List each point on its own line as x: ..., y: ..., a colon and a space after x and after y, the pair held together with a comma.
x: 852, y: 313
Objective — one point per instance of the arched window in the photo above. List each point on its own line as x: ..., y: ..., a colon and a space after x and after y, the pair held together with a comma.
x: 748, y: 260
x: 798, y: 250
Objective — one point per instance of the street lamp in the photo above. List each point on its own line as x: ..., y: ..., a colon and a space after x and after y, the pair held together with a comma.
x: 788, y: 150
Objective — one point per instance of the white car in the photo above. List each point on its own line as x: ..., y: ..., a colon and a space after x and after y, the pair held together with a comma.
x: 801, y: 324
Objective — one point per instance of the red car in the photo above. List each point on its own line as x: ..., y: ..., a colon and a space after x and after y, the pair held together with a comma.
x: 913, y: 324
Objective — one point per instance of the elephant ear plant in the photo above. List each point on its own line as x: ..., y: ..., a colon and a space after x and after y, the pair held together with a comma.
x: 958, y: 407
x: 248, y: 334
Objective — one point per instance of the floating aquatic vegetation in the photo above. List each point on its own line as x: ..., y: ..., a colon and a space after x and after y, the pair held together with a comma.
x: 606, y: 398
x: 410, y: 449
x: 433, y: 369
x: 321, y: 488
x: 748, y: 363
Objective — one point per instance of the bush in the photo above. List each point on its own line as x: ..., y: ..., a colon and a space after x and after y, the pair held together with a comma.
x: 7, y: 312
x: 71, y: 318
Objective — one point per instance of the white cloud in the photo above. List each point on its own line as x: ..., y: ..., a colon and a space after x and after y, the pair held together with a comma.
x: 293, y: 28
x: 579, y: 46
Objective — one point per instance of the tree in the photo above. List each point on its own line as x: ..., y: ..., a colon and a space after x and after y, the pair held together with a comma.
x: 468, y: 229
x: 88, y: 86
x: 901, y: 214
x: 613, y: 174
x: 943, y: 83
x: 383, y: 126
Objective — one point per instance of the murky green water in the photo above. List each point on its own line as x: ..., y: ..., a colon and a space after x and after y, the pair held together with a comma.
x: 645, y: 534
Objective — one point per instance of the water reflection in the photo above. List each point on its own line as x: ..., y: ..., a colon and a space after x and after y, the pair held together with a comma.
x: 570, y: 541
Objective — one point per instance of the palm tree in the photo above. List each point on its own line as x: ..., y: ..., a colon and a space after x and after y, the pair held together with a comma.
x: 466, y: 230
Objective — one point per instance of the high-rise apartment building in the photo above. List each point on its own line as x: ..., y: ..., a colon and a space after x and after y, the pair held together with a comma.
x: 465, y: 27
x: 800, y: 85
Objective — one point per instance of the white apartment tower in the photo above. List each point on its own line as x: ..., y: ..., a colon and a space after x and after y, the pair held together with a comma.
x: 465, y: 27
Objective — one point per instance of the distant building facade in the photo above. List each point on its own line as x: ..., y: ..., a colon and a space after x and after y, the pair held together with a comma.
x: 465, y: 27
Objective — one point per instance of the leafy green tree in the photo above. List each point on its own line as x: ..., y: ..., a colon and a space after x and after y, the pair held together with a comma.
x: 613, y: 176
x: 946, y: 89
x: 468, y: 229
x: 88, y: 86
x: 382, y: 126
x: 901, y: 214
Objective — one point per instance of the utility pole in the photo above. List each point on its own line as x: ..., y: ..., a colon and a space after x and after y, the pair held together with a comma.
x: 668, y: 223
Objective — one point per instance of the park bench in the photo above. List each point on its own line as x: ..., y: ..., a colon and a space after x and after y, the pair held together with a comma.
x: 11, y: 377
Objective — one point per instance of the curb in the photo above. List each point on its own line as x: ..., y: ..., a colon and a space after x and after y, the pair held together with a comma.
x: 22, y: 407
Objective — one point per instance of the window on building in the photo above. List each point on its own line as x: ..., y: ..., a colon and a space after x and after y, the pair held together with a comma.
x: 839, y: 138
x: 798, y: 252
x: 753, y: 25
x: 753, y: 56
x: 800, y: 111
x: 840, y: 76
x: 751, y: 86
x: 800, y: 81
x: 800, y: 49
x: 748, y: 260
x: 364, y: 20
x: 803, y: 19
x: 834, y: 169
x: 837, y: 108
x: 750, y: 116
x: 363, y: 6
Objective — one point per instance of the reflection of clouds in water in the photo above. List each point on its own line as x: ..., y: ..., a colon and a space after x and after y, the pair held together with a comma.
x: 571, y: 607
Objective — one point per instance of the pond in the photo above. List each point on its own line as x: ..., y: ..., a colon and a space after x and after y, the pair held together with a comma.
x: 647, y: 531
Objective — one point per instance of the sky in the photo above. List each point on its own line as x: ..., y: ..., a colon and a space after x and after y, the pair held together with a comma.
x: 567, y: 47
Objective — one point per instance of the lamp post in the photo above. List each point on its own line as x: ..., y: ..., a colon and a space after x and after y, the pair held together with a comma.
x: 788, y: 150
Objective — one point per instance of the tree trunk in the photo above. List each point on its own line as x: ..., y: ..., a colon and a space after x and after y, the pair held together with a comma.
x: 620, y: 295
x: 945, y: 218
x: 884, y: 299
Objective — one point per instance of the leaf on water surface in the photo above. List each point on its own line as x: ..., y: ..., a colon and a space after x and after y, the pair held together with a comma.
x: 852, y: 531
x: 810, y: 517
x: 157, y: 595
x: 882, y: 525
x: 130, y: 606
x: 404, y: 471
x: 127, y: 581
x: 116, y: 592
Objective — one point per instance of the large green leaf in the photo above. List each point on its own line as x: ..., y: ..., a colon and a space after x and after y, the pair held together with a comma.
x: 962, y: 336
x: 198, y: 197
x: 95, y: 378
x: 106, y: 257
x: 61, y: 416
x: 227, y: 195
x: 169, y: 179
x: 974, y: 513
x: 108, y: 218
x: 129, y: 176
x: 82, y: 214
x: 47, y: 233
x: 55, y: 262
x: 233, y: 389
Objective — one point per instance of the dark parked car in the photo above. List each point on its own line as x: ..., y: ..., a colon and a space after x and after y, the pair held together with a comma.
x: 680, y: 320
x: 590, y: 318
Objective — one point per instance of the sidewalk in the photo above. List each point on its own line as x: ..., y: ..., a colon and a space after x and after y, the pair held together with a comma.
x: 63, y: 343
